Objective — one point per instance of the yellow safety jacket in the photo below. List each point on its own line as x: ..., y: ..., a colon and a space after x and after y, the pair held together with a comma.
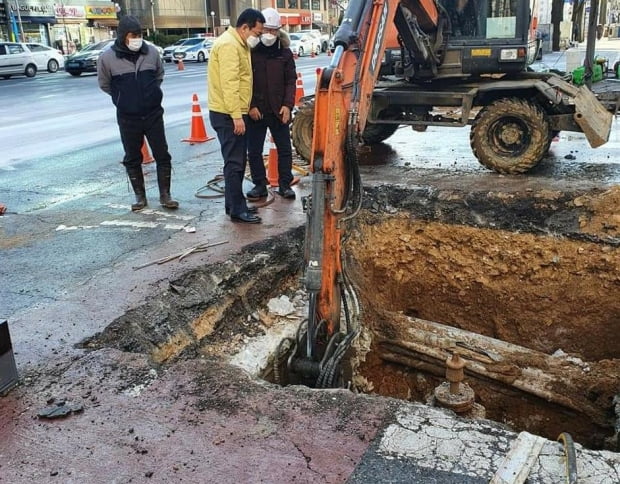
x: 229, y: 75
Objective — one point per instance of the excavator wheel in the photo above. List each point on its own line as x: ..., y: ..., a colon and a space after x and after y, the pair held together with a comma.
x: 303, y: 124
x: 376, y: 133
x: 301, y: 130
x: 510, y: 136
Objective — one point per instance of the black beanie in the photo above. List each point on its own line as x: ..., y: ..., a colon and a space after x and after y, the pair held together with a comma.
x: 128, y: 24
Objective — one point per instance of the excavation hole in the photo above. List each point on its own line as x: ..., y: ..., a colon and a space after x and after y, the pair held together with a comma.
x: 524, y: 286
x: 535, y: 317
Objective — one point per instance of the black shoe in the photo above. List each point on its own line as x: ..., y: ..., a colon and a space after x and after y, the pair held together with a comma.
x: 250, y: 210
x: 245, y: 218
x: 286, y: 193
x: 259, y: 191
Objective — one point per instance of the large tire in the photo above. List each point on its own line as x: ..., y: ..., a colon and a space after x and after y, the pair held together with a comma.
x: 301, y: 130
x: 376, y: 133
x: 510, y: 136
x: 201, y: 57
x: 303, y: 125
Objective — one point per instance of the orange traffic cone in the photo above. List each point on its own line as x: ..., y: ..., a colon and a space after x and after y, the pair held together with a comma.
x: 329, y: 52
x: 272, y: 164
x: 180, y: 65
x: 2, y: 208
x: 198, y: 133
x: 299, y: 89
x: 146, y: 154
x: 273, y: 176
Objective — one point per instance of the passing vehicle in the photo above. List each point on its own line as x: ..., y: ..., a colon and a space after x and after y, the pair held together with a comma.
x: 193, y: 51
x: 85, y: 60
x: 47, y: 58
x: 16, y: 60
x: 168, y: 51
x: 304, y: 44
x: 189, y: 41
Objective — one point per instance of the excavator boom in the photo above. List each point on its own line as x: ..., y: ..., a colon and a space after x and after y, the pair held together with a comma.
x: 342, y: 102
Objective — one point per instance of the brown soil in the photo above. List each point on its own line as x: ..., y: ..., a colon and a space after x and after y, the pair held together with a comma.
x: 546, y: 293
x: 542, y: 292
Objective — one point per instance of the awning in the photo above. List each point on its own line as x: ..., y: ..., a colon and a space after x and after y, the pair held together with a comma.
x: 319, y: 25
x: 289, y: 18
x: 38, y: 20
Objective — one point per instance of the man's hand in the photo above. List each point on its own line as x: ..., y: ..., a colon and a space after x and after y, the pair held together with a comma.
x: 239, y: 126
x: 285, y: 114
x: 255, y: 114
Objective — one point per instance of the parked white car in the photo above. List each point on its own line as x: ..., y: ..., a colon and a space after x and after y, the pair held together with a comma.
x: 304, y: 44
x: 322, y: 39
x: 47, y: 58
x: 16, y: 60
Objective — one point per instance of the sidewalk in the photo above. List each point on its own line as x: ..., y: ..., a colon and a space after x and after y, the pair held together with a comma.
x: 573, y: 57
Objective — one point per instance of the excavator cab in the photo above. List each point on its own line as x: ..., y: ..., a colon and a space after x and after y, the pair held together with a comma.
x: 464, y: 38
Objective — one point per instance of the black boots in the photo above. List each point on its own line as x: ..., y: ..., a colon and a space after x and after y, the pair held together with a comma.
x: 259, y: 191
x: 163, y: 181
x: 136, y: 178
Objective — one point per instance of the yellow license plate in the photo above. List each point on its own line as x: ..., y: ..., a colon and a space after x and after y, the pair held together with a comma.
x: 481, y: 52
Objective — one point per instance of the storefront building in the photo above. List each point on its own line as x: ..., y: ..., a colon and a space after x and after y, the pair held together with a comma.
x: 75, y: 23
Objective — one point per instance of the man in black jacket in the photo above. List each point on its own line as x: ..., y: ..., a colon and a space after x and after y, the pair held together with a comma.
x: 273, y: 98
x: 131, y: 72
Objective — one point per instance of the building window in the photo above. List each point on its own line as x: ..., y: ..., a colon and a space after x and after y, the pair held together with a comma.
x: 292, y: 4
x: 305, y: 4
x: 316, y: 4
x: 281, y: 4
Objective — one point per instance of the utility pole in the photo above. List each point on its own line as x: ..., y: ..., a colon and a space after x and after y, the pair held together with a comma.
x: 19, y: 21
x: 153, y: 17
x: 206, y: 18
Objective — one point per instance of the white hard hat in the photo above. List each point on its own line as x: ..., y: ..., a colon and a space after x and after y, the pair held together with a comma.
x: 272, y: 18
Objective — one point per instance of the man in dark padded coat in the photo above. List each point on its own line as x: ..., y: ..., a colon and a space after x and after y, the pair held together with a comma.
x: 131, y: 72
x: 273, y: 98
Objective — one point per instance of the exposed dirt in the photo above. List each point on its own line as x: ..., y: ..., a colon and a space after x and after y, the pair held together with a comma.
x: 555, y: 289
x: 207, y: 306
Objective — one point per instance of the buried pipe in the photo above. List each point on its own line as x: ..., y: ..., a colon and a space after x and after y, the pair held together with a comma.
x: 527, y: 370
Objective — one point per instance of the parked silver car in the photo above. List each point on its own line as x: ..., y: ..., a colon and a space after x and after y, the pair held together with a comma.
x: 16, y: 60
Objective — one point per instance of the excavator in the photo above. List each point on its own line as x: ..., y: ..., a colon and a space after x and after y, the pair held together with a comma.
x: 467, y: 53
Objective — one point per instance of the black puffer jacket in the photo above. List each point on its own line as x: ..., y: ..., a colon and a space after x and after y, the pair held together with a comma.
x: 132, y: 79
x: 275, y: 76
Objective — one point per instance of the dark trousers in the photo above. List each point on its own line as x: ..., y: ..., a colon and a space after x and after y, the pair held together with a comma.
x: 133, y: 129
x: 233, y: 151
x: 256, y: 131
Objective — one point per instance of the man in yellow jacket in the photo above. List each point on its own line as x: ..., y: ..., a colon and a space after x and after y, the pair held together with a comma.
x: 230, y: 91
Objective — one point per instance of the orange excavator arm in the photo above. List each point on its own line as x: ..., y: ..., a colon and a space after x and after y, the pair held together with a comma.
x: 342, y: 102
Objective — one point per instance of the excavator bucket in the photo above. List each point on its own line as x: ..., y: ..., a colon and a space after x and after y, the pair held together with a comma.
x: 592, y: 117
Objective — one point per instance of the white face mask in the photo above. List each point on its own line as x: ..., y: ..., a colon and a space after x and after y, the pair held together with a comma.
x: 252, y: 41
x: 268, y: 39
x: 134, y: 44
